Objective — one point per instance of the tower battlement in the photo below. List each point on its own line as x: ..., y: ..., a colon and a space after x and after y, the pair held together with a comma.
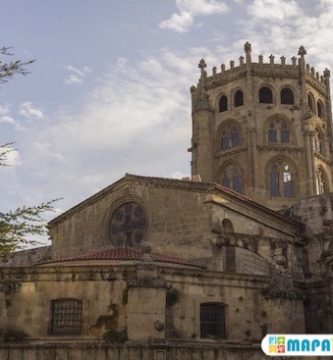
x: 258, y: 123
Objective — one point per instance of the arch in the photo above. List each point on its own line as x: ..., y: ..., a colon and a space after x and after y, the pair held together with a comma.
x: 311, y: 103
x: 281, y: 177
x: 287, y: 96
x: 238, y: 98
x: 229, y: 135
x: 223, y: 104
x: 321, y: 181
x: 320, y: 109
x: 265, y: 95
x: 319, y: 142
x: 231, y: 177
x: 227, y: 226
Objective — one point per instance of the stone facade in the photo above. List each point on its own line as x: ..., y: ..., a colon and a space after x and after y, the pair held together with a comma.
x: 164, y: 269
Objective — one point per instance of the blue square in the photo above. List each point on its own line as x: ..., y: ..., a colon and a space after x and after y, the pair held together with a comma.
x: 272, y: 340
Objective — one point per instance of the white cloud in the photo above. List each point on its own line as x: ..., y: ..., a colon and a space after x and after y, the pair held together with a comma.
x: 13, y: 158
x: 30, y: 111
x: 183, y: 20
x: 5, y: 115
x: 76, y: 75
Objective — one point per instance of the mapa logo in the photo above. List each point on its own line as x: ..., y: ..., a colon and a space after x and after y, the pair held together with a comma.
x: 297, y: 345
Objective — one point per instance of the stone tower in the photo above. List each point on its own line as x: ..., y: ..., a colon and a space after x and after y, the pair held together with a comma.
x: 264, y: 129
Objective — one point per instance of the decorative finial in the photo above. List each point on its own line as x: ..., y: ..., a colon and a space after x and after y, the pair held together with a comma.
x: 271, y: 59
x: 283, y: 60
x: 202, y: 65
x: 293, y: 60
x: 241, y: 60
x: 327, y: 73
x: 260, y: 59
x: 247, y: 47
x: 232, y: 64
x: 301, y: 51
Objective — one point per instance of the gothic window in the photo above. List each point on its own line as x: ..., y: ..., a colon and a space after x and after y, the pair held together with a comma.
x: 272, y: 138
x: 319, y: 142
x: 287, y: 96
x: 284, y: 133
x: 231, y: 178
x: 311, y: 103
x: 66, y: 317
x: 265, y: 95
x: 223, y: 103
x: 320, y: 109
x: 281, y: 179
x: 212, y: 320
x: 239, y: 98
x: 230, y: 137
x: 321, y: 182
x: 278, y: 132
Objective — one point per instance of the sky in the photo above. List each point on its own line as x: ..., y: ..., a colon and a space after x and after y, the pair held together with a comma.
x: 109, y: 93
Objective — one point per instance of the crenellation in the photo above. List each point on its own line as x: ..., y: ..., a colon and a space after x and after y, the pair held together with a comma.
x: 317, y: 76
x: 271, y: 59
x: 232, y: 64
x: 307, y: 68
x: 214, y: 72
x: 241, y: 60
x: 222, y: 68
x: 312, y: 71
x: 283, y: 60
x: 260, y: 59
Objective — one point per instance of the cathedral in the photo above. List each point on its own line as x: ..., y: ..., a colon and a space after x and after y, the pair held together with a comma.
x: 204, y: 267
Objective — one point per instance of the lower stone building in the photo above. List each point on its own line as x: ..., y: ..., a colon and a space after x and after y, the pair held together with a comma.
x: 153, y: 268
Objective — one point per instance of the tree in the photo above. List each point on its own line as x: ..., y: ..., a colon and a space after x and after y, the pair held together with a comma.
x: 17, y: 224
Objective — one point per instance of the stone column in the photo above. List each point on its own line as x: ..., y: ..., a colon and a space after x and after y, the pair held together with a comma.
x: 146, y: 305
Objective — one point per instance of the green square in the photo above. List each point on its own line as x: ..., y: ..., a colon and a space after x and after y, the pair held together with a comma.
x: 281, y: 340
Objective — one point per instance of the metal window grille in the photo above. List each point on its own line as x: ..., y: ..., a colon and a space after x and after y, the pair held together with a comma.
x: 212, y: 320
x: 66, y: 317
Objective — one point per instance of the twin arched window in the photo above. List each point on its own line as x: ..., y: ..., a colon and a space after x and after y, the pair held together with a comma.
x: 281, y: 179
x: 232, y: 178
x: 230, y: 136
x: 238, y: 101
x: 266, y: 96
x: 278, y: 132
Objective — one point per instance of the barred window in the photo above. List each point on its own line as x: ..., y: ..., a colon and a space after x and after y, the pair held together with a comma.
x: 239, y: 98
x: 66, y: 317
x: 212, y: 320
x: 223, y: 103
x: 265, y: 95
x: 287, y: 96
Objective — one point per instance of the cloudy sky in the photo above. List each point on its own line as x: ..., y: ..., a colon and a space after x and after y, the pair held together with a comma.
x: 109, y: 91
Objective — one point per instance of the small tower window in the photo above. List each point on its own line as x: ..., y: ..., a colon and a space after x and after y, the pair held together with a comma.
x: 231, y: 178
x: 284, y: 133
x: 239, y: 98
x: 272, y: 138
x: 212, y: 320
x: 278, y: 131
x: 281, y: 180
x: 223, y: 103
x: 265, y: 95
x: 311, y: 103
x: 230, y: 137
x: 320, y: 109
x: 287, y: 96
x: 66, y: 317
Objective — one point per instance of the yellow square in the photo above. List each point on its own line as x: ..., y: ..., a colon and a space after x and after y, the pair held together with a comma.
x: 272, y: 348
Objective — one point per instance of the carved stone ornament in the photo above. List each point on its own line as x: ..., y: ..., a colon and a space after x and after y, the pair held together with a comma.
x: 127, y: 226
x: 201, y: 103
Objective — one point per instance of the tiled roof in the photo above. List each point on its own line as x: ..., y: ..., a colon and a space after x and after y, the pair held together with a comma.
x: 121, y: 254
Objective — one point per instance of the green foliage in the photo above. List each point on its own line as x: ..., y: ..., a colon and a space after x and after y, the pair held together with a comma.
x: 11, y: 68
x: 17, y: 224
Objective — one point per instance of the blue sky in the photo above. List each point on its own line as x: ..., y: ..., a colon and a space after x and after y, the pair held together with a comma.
x: 109, y: 92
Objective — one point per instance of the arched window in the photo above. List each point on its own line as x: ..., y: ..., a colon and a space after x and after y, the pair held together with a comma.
x: 230, y: 137
x: 265, y: 95
x: 272, y: 138
x: 223, y: 103
x: 281, y: 179
x: 284, y: 132
x: 320, y: 109
x: 321, y: 182
x: 278, y: 131
x: 239, y: 98
x: 287, y: 96
x: 212, y: 320
x: 232, y: 178
x: 66, y: 317
x: 319, y: 142
x: 311, y: 103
